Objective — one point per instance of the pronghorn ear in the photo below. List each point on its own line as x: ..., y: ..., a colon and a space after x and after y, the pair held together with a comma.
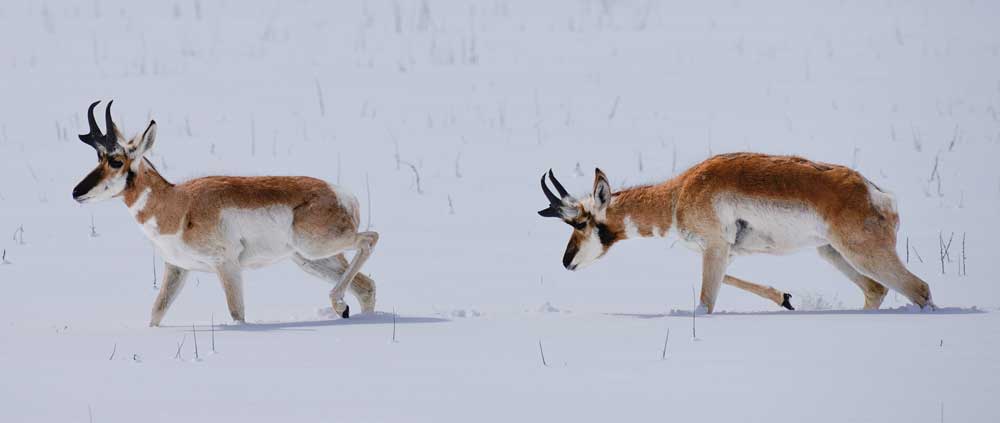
x: 602, y: 189
x: 142, y: 143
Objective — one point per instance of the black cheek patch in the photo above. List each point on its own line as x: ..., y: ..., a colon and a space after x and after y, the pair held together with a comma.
x: 606, y: 235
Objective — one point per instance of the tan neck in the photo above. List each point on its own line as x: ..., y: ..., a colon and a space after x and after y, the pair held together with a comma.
x: 644, y: 211
x: 147, y: 178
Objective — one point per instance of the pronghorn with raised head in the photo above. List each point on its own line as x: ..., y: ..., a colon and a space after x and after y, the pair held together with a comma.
x: 223, y: 224
x: 747, y: 203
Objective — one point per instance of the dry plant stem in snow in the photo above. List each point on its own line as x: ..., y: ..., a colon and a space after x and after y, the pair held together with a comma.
x: 416, y: 176
x: 961, y: 267
x: 194, y: 333
x: 663, y: 355
x: 19, y: 235
x: 93, y: 227
x: 943, y: 249
x: 394, y: 325
x: 541, y: 352
x: 180, y: 345
x: 154, y: 270
x: 915, y: 252
x: 213, y: 333
x: 319, y: 96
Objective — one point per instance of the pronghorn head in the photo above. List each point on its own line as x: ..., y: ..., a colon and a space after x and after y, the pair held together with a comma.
x: 592, y: 236
x: 117, y: 160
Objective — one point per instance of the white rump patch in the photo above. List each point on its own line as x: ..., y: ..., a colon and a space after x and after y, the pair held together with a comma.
x: 880, y: 199
x: 347, y: 201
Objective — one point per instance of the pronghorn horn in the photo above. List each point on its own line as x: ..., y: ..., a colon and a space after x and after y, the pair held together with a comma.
x: 110, y: 140
x: 559, y: 187
x: 555, y: 203
x: 95, y: 131
x: 553, y: 200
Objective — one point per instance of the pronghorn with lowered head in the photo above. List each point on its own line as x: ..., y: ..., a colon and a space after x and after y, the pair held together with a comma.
x: 747, y: 203
x: 223, y: 224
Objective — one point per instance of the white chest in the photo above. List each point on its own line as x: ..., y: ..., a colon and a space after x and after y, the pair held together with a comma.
x: 175, y: 251
x: 171, y: 247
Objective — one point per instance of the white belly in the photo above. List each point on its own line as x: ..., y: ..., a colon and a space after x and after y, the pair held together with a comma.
x: 174, y: 250
x: 264, y: 235
x: 764, y: 226
x: 253, y: 237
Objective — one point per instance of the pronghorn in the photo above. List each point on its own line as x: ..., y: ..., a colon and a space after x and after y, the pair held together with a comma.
x: 223, y: 224
x: 746, y: 203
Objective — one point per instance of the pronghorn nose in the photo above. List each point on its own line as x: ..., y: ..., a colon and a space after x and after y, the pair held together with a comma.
x: 88, y: 183
x: 568, y: 261
x: 568, y: 258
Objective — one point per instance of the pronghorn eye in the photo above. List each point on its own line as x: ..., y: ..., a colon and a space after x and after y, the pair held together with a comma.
x: 115, y: 163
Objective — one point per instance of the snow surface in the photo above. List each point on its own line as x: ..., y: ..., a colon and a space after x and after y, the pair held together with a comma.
x: 480, y: 98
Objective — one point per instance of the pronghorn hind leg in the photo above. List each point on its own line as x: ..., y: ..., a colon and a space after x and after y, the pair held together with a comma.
x: 767, y: 292
x: 881, y: 263
x: 363, y: 244
x: 231, y: 277
x: 173, y: 281
x: 874, y: 291
x: 362, y: 286
x: 714, y: 260
x: 331, y: 269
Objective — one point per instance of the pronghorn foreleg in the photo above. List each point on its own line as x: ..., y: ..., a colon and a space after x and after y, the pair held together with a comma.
x: 363, y: 244
x: 714, y: 260
x: 231, y: 277
x: 768, y: 292
x: 173, y: 281
x: 331, y: 269
x: 874, y: 291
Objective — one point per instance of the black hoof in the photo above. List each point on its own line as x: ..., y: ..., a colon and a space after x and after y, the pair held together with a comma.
x: 347, y: 311
x: 785, y: 303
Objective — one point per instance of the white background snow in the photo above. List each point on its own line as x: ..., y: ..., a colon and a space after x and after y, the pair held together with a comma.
x: 481, y: 97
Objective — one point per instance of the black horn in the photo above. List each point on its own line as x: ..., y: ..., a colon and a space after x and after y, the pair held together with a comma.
x: 559, y: 187
x: 95, y: 131
x: 110, y: 139
x: 553, y: 200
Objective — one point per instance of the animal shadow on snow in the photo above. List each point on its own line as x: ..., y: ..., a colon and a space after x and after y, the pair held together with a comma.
x: 885, y: 311
x: 377, y: 318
